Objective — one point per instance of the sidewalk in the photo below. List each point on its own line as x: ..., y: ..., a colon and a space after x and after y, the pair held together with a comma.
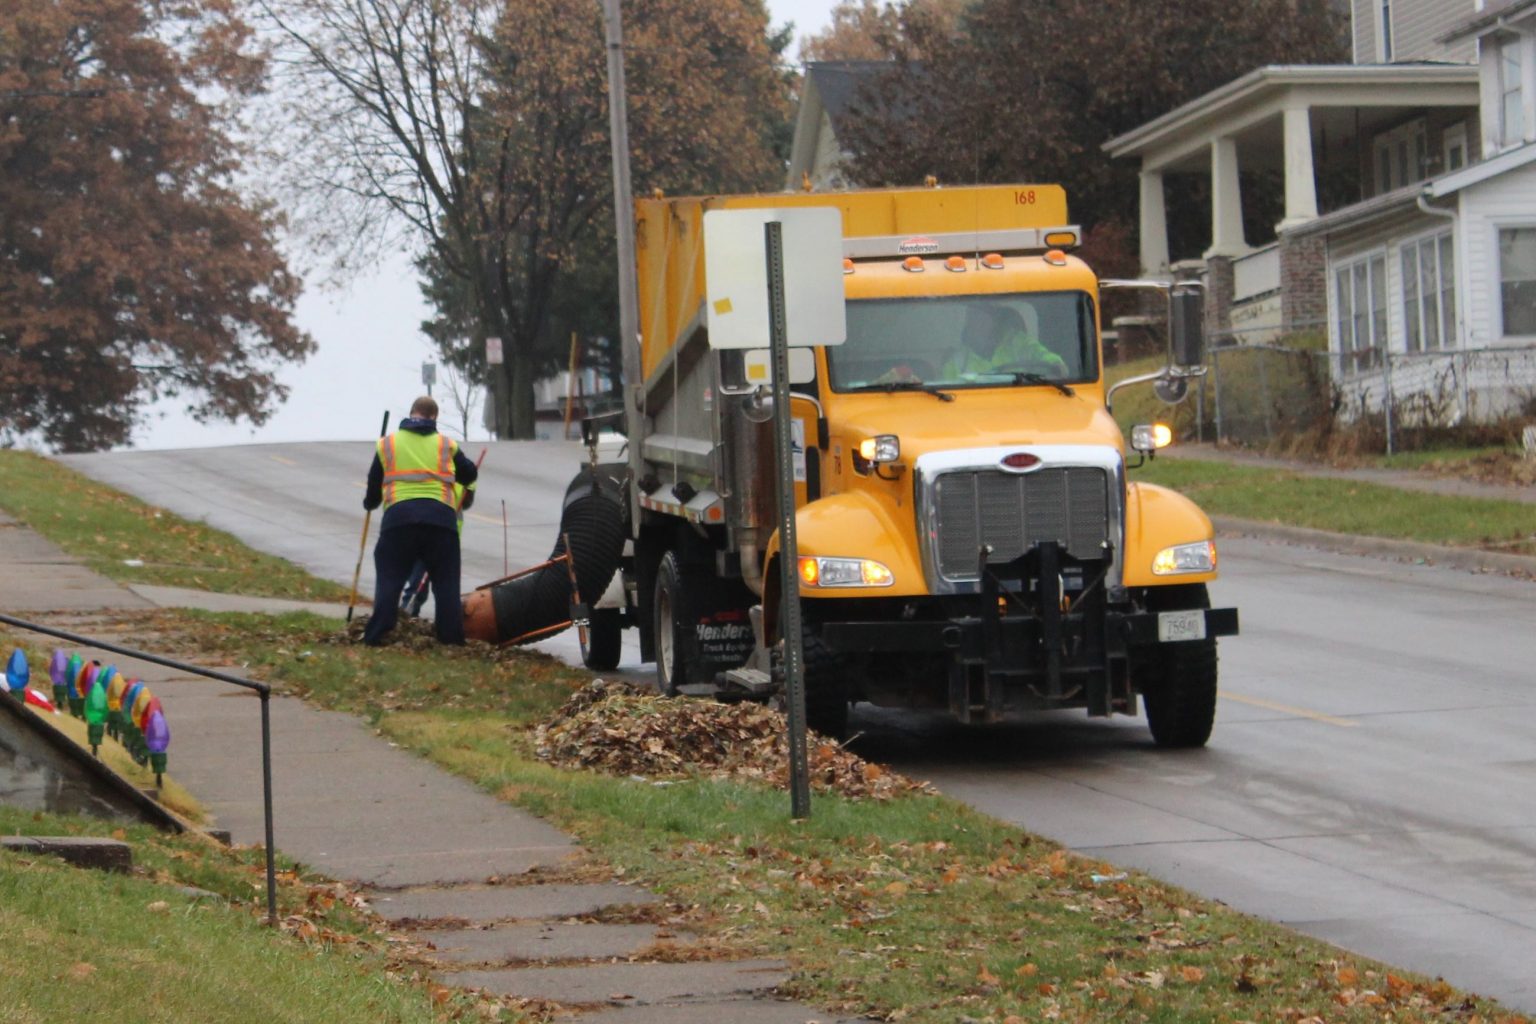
x: 446, y: 863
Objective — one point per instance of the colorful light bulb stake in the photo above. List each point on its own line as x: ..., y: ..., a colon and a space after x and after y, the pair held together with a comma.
x: 57, y: 666
x: 140, y: 715
x: 116, y: 687
x: 132, y: 738
x: 18, y: 674
x: 157, y: 736
x: 61, y: 693
x: 96, y: 707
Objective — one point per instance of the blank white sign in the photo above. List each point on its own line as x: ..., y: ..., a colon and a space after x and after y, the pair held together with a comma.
x: 736, y: 277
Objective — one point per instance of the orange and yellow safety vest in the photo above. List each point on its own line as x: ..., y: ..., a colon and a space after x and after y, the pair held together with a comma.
x: 417, y: 466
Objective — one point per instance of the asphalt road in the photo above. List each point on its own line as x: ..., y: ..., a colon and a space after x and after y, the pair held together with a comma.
x: 1371, y: 780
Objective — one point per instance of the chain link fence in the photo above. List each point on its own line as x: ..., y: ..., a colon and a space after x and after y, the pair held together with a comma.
x: 1259, y: 393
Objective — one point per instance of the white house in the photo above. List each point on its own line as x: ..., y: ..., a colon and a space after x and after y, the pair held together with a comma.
x: 1425, y: 279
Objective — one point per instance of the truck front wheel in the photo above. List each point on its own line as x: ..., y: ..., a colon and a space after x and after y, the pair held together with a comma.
x: 1178, y: 680
x: 826, y: 687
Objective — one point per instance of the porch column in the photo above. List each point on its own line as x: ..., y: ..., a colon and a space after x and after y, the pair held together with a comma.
x: 1154, y: 226
x: 1226, y: 201
x: 1300, y: 178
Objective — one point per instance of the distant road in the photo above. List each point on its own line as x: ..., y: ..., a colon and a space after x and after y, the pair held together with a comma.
x: 1371, y: 781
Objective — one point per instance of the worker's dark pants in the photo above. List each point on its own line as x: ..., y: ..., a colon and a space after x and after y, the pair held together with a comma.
x: 398, y: 549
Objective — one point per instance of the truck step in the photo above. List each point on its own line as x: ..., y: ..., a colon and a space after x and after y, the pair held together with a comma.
x: 753, y: 681
x: 697, y: 690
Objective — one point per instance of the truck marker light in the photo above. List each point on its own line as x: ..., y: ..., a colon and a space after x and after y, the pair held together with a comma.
x: 992, y: 261
x: 1061, y: 238
x: 1149, y: 437
x: 810, y: 572
x: 847, y: 265
x: 1021, y: 460
x: 955, y: 264
x: 1056, y: 258
x: 913, y: 264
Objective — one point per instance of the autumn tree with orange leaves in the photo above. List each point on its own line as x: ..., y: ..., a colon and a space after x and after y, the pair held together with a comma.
x: 131, y: 265
x: 478, y: 131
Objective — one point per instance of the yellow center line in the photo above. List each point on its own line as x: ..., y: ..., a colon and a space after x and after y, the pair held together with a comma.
x: 483, y: 519
x: 1316, y: 716
x: 279, y: 458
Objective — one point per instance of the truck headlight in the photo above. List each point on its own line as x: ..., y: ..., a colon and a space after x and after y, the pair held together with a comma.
x: 1182, y: 558
x: 844, y: 572
x: 881, y: 448
x: 1149, y: 437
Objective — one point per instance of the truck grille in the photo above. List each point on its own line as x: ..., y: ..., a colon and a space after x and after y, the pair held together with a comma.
x: 1013, y: 512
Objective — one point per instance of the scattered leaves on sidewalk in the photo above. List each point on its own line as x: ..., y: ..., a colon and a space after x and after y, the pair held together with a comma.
x: 624, y: 729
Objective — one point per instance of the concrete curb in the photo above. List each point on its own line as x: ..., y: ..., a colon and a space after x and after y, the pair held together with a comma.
x: 1467, y: 559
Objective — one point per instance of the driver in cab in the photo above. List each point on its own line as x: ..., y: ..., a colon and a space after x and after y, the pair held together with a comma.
x: 995, y: 340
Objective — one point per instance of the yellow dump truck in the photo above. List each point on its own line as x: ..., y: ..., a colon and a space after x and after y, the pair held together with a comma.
x: 967, y: 535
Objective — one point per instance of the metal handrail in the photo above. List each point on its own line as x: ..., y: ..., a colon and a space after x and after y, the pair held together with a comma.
x: 262, y: 689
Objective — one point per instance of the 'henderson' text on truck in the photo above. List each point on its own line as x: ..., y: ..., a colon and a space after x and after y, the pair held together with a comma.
x: 968, y: 538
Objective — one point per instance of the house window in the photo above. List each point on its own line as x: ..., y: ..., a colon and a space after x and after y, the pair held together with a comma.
x: 1429, y: 294
x: 1360, y: 311
x: 1386, y: 31
x: 1517, y: 280
x: 1512, y: 106
x: 1454, y: 143
x: 1401, y: 155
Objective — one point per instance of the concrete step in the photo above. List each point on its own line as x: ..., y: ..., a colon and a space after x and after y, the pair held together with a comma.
x: 483, y: 904
x: 507, y: 943
x: 629, y: 984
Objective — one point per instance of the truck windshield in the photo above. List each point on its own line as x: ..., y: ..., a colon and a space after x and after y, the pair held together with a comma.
x: 956, y: 341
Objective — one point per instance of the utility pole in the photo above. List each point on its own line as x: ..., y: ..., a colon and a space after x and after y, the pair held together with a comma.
x: 624, y: 232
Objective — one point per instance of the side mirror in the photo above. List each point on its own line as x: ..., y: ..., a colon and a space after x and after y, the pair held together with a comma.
x: 1170, y: 390
x: 1186, y: 326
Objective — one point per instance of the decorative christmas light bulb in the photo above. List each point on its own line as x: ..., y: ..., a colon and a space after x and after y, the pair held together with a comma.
x: 157, y: 736
x: 96, y: 707
x: 115, y: 690
x: 133, y: 739
x: 62, y: 686
x: 18, y: 674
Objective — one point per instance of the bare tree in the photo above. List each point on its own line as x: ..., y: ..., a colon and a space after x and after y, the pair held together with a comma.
x: 479, y: 129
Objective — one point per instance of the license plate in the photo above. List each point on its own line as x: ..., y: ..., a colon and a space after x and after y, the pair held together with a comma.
x: 1173, y: 626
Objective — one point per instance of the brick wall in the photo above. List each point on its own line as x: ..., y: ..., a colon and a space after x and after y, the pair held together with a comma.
x: 1218, y: 300
x: 1303, y: 283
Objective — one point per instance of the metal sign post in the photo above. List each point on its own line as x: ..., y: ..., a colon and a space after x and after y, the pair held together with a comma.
x: 789, y: 561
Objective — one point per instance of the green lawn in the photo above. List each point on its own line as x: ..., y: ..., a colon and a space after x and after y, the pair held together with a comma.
x: 1347, y: 506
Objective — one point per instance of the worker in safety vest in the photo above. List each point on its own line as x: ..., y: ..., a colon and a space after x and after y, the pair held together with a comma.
x: 413, y: 476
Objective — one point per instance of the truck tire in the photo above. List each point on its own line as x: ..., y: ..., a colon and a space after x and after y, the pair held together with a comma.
x: 672, y: 619
x: 826, y: 687
x: 605, y: 640
x: 1178, y: 681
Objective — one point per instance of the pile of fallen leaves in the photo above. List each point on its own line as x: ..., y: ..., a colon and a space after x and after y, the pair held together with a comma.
x: 623, y: 729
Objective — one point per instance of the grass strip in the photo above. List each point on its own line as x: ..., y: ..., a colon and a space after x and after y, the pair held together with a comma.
x: 1347, y: 506
x: 129, y: 541
x: 182, y: 938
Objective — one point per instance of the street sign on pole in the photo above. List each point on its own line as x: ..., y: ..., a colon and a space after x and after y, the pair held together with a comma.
x: 429, y: 376
x: 493, y: 351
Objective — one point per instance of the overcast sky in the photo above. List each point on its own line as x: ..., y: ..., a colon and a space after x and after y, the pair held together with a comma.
x: 370, y: 348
